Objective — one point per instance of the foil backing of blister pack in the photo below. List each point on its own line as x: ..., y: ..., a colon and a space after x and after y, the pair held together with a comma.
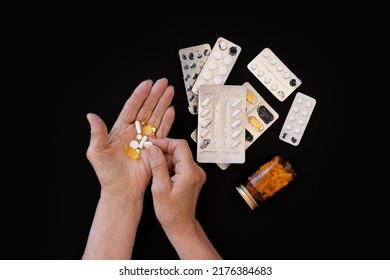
x: 221, y: 124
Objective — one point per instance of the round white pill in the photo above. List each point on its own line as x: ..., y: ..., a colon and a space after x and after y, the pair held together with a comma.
x: 260, y: 73
x: 206, y: 75
x: 217, y: 80
x: 288, y: 127
x: 308, y: 104
x: 212, y: 65
x: 274, y: 87
x: 279, y: 68
x: 222, y: 70
x: 301, y: 122
x: 253, y: 66
x: 286, y: 75
x: 267, y: 80
x: 228, y: 60
x: 272, y: 61
x: 217, y: 55
x: 148, y: 144
x: 305, y: 113
x: 299, y: 100
x: 134, y: 144
x: 266, y: 54
x: 291, y: 118
x: 296, y: 109
x: 297, y: 131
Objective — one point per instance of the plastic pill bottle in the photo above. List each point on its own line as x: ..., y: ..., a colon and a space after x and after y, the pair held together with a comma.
x: 270, y: 178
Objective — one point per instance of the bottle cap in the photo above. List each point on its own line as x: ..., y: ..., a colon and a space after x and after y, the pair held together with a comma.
x: 247, y: 197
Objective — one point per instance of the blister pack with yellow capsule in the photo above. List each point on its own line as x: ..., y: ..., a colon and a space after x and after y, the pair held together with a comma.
x: 259, y: 115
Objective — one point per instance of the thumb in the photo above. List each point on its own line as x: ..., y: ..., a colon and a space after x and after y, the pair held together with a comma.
x: 99, y: 133
x: 161, y: 180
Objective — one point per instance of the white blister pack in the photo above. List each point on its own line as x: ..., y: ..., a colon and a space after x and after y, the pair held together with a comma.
x: 274, y: 74
x: 221, y: 124
x: 297, y: 119
x: 219, y: 64
x: 192, y: 60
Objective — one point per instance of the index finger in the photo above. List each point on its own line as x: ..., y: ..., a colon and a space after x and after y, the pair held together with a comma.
x: 178, y: 148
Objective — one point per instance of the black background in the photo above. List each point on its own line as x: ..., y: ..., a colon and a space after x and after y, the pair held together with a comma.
x: 325, y: 214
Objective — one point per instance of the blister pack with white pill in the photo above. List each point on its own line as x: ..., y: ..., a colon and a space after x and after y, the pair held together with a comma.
x: 221, y: 124
x: 218, y: 65
x: 297, y: 119
x: 274, y: 74
x: 192, y: 60
x: 259, y: 117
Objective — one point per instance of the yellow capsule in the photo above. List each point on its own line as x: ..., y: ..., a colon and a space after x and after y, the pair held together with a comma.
x: 132, y: 153
x: 147, y: 127
x: 250, y: 97
x: 255, y: 123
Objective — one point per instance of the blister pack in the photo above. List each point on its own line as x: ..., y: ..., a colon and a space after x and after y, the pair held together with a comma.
x: 192, y: 60
x: 259, y: 115
x: 274, y: 74
x: 221, y: 124
x: 297, y: 119
x: 218, y: 65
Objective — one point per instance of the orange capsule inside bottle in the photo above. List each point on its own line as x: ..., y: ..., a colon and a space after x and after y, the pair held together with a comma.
x: 270, y: 178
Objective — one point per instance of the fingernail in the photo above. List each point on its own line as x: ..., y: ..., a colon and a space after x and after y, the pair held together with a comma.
x: 148, y: 81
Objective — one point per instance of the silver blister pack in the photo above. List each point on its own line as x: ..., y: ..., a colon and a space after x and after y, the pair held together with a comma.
x: 192, y: 60
x: 259, y: 117
x: 221, y: 124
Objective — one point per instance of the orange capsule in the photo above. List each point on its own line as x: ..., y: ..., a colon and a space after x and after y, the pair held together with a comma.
x: 132, y: 153
x: 147, y: 128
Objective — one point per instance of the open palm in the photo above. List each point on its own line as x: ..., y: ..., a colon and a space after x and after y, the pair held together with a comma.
x: 116, y: 171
